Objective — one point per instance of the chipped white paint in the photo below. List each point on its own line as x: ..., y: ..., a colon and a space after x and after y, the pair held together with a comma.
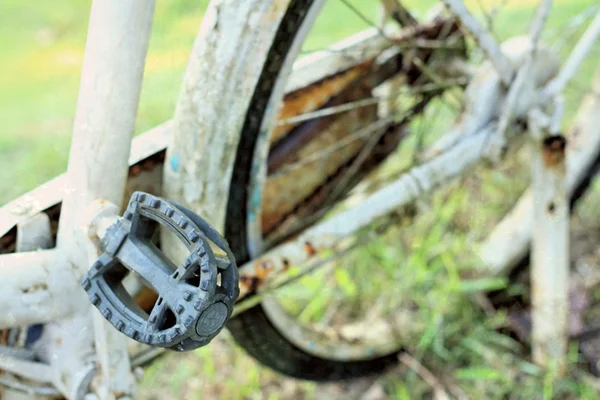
x: 209, y: 117
x: 549, y: 254
x: 113, y: 66
x: 27, y: 369
x: 32, y: 234
x: 221, y: 77
x: 36, y: 288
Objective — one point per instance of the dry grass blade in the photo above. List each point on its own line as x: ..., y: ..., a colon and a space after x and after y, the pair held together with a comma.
x: 398, y: 12
x: 439, y: 391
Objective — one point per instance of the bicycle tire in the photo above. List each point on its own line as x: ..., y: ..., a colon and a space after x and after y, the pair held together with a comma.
x: 252, y: 329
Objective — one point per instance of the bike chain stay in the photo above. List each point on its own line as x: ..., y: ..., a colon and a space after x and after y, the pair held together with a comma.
x: 193, y: 305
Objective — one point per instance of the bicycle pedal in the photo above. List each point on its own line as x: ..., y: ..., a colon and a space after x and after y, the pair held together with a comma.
x: 195, y: 298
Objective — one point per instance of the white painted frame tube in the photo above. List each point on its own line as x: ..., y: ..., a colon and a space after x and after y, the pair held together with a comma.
x: 113, y: 66
x: 550, y: 254
x: 36, y: 288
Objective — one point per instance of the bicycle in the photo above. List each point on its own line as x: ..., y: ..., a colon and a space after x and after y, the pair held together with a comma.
x: 280, y: 240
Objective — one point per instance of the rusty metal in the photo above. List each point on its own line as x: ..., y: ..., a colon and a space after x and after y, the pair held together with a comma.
x: 280, y: 205
x: 355, y: 83
x: 315, y: 96
x: 554, y: 151
x: 284, y: 192
x: 313, y: 207
x: 286, y: 149
x: 303, y: 192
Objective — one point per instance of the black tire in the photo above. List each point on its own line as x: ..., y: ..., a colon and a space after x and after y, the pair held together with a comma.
x: 252, y: 329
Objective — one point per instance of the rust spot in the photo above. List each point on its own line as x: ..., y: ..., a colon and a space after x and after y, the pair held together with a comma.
x: 263, y: 268
x: 4, y: 336
x: 310, y: 249
x: 292, y: 196
x: 551, y: 208
x: 135, y: 170
x: 250, y: 283
x: 286, y: 149
x: 553, y: 149
x: 146, y: 299
x: 286, y: 264
x: 58, y: 341
x: 35, y: 288
x: 314, y: 96
x: 148, y: 163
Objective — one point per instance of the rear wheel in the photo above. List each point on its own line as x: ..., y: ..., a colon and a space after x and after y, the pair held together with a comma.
x: 253, y: 329
x: 311, y: 168
x: 360, y: 142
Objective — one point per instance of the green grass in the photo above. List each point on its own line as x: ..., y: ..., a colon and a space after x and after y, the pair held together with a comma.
x: 41, y: 49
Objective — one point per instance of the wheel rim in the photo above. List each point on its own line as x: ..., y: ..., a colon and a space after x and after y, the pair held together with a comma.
x: 309, y: 340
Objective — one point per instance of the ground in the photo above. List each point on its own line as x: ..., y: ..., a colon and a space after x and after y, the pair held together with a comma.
x: 459, y: 349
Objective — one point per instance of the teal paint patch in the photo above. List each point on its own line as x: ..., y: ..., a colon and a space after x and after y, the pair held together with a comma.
x: 255, y: 198
x: 174, y: 162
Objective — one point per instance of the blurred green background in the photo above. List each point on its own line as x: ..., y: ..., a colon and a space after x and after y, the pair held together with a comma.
x: 41, y: 50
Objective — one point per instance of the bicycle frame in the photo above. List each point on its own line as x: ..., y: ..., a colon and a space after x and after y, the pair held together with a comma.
x: 118, y: 37
x: 44, y: 286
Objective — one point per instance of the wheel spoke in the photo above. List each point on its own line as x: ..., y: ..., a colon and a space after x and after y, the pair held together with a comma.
x: 363, y: 17
x: 362, y: 133
x: 327, y: 111
x: 395, y: 10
